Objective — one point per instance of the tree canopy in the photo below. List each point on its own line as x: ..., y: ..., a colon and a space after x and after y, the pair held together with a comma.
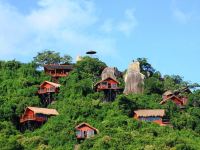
x: 51, y: 57
x: 77, y: 102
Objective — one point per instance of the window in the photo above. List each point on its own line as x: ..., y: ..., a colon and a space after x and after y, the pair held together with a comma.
x: 90, y: 133
x: 114, y: 85
x: 104, y: 84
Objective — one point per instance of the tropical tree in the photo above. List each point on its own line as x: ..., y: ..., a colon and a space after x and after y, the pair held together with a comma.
x: 51, y: 57
x: 146, y: 67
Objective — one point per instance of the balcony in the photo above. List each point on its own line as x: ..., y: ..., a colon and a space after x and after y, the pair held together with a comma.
x: 104, y: 87
x: 48, y: 90
x: 25, y: 118
x: 62, y: 74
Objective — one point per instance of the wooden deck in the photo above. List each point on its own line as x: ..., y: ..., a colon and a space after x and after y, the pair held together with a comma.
x: 33, y: 118
x: 50, y: 90
x: 58, y: 74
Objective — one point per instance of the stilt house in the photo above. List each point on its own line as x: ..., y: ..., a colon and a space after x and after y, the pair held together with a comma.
x: 37, y: 114
x: 56, y: 71
x: 84, y: 131
x: 151, y: 115
x: 46, y: 91
x: 48, y: 87
x: 107, y: 84
x: 110, y: 87
x: 33, y: 117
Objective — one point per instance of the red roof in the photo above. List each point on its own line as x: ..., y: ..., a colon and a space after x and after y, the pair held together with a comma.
x: 58, y: 66
x: 51, y: 83
x: 107, y: 79
x: 86, y: 124
x: 173, y: 96
x: 44, y: 111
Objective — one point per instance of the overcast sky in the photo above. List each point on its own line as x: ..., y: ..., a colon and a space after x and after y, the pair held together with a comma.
x: 167, y: 32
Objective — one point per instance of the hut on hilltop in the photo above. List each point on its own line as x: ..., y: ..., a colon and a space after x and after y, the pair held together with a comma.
x: 56, y: 70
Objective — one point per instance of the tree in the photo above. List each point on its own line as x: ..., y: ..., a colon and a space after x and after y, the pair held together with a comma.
x: 146, y: 67
x: 154, y: 84
x: 66, y: 59
x: 92, y: 66
x: 51, y: 57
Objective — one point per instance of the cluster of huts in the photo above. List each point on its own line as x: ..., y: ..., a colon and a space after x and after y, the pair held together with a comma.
x: 33, y: 117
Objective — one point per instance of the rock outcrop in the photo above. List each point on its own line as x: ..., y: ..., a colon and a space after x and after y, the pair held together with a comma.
x: 111, y: 72
x: 134, y: 79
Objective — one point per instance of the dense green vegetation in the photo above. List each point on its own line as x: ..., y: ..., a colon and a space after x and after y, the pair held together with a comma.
x: 77, y: 102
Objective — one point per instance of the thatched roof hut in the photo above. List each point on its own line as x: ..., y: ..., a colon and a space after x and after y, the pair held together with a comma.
x: 150, y: 112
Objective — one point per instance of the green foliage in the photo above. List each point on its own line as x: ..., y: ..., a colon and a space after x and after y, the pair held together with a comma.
x: 77, y: 102
x: 154, y: 84
x: 90, y: 66
x: 146, y: 67
x: 194, y: 99
x: 82, y: 79
x: 51, y: 57
x: 8, y: 137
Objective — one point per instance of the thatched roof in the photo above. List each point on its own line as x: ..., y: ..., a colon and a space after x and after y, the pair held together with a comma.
x: 51, y: 83
x: 44, y: 111
x: 57, y: 66
x: 86, y: 124
x: 150, y: 112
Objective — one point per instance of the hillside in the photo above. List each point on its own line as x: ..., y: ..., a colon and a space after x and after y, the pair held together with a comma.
x: 77, y: 102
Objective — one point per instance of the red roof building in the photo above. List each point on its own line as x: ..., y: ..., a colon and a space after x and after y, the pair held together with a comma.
x: 37, y: 114
x: 177, y: 99
x: 107, y: 84
x: 56, y: 70
x: 110, y: 87
x: 48, y: 87
x: 84, y: 131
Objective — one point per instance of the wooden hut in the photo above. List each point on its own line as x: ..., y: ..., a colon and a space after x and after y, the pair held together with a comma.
x: 48, y: 87
x: 109, y: 86
x: 175, y: 97
x: 151, y: 115
x: 46, y: 91
x: 56, y: 71
x: 35, y: 116
x: 84, y: 131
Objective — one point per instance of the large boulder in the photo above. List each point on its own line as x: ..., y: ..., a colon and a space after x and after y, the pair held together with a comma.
x: 134, y: 79
x: 111, y: 72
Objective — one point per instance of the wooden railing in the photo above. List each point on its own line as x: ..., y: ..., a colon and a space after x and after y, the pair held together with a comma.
x: 49, y: 90
x: 58, y: 74
x: 25, y: 118
x: 107, y: 87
